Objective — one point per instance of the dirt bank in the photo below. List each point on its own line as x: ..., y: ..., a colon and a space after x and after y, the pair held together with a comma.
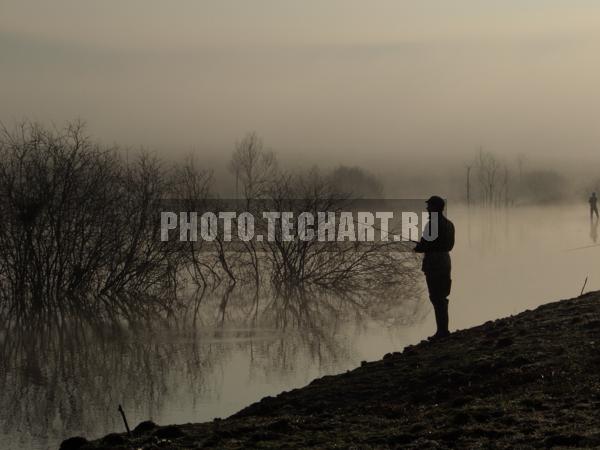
x: 525, y: 381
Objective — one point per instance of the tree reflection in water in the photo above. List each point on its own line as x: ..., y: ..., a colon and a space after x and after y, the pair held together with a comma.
x: 68, y: 380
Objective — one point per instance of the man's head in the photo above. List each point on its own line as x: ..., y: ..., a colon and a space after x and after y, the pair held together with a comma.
x: 435, y: 204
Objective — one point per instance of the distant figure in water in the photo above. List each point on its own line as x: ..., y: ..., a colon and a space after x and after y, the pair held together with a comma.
x: 436, y: 263
x: 593, y: 206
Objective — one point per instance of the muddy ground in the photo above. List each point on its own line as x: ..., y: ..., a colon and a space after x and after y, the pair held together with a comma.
x: 525, y: 381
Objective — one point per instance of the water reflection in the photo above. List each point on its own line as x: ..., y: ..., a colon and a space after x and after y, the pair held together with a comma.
x: 594, y: 230
x: 69, y: 380
x: 73, y: 380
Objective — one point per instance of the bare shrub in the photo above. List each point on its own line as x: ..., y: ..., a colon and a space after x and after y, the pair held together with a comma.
x: 79, y: 234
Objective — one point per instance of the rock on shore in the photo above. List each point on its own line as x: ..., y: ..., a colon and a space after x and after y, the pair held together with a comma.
x: 525, y: 381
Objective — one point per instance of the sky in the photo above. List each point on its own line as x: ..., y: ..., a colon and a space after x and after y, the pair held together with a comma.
x: 325, y: 80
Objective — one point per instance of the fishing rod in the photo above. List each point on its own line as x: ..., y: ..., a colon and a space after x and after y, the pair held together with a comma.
x: 389, y: 233
x: 581, y: 248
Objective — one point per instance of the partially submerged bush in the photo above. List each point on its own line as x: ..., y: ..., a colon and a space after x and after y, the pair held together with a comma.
x: 78, y: 234
x: 81, y: 236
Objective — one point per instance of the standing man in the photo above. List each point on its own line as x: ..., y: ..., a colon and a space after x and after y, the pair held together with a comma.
x: 593, y: 206
x: 436, y: 262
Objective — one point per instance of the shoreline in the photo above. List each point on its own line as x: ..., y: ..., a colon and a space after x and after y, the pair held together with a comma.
x: 531, y: 380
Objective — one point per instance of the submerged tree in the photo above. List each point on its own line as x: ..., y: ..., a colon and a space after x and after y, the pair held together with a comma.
x: 493, y: 176
x: 79, y: 234
x: 81, y: 237
x: 252, y: 166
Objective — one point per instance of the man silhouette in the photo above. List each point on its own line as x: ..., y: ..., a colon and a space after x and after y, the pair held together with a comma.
x: 436, y: 262
x: 593, y: 201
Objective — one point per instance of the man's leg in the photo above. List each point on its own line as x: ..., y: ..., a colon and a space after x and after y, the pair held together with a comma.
x: 438, y: 285
x: 441, y: 315
x: 447, y: 286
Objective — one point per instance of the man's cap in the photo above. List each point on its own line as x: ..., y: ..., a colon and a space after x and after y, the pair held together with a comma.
x: 436, y: 201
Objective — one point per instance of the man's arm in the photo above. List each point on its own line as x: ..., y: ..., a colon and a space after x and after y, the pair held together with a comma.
x: 443, y: 243
x: 421, y: 245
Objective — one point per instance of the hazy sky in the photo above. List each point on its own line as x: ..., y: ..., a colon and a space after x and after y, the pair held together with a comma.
x: 358, y: 80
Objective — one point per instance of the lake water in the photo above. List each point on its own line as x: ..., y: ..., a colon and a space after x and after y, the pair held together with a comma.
x: 503, y: 263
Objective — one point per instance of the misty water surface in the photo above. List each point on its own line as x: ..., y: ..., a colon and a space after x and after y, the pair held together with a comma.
x: 504, y: 262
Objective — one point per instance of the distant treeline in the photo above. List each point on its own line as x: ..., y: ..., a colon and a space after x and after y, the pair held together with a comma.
x: 492, y: 182
x: 487, y: 178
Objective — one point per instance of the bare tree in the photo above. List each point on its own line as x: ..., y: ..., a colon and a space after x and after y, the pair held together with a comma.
x: 487, y: 168
x: 253, y: 166
x: 304, y: 270
x: 80, y: 234
x: 192, y: 189
x: 468, y: 185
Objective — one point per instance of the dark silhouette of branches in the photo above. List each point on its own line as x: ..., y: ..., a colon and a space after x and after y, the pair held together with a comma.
x: 79, y: 234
